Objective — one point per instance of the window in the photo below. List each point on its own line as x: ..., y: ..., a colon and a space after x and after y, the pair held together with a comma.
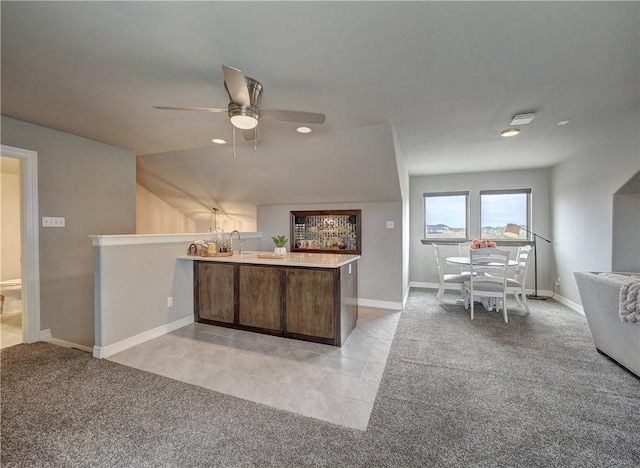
x: 446, y: 216
x: 501, y: 207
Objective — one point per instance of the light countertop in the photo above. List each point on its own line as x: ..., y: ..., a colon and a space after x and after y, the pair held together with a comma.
x: 313, y: 260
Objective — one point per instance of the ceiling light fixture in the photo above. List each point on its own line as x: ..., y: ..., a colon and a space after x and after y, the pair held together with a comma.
x: 562, y: 123
x: 218, y: 141
x: 523, y: 119
x: 244, y: 117
x: 244, y: 122
x: 303, y: 130
x: 509, y: 132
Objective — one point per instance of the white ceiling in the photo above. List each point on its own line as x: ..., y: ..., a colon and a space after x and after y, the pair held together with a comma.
x: 446, y: 77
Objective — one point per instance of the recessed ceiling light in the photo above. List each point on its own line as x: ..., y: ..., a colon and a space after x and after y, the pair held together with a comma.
x: 303, y: 130
x: 563, y: 122
x: 218, y: 141
x: 509, y: 132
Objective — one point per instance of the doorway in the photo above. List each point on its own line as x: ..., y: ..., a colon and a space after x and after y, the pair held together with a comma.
x: 29, y: 240
x: 10, y: 253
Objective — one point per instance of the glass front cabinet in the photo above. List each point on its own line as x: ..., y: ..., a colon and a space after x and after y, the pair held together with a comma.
x: 326, y: 231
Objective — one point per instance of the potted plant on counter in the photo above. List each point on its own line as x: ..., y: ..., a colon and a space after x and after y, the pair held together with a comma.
x: 280, y: 242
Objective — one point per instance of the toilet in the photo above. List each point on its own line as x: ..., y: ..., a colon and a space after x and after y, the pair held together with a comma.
x: 11, y: 296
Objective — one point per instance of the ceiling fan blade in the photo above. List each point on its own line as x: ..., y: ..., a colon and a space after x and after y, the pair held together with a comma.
x: 292, y: 116
x: 197, y: 109
x: 236, y: 85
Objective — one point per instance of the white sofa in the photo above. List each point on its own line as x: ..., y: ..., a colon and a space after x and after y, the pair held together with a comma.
x: 600, y: 294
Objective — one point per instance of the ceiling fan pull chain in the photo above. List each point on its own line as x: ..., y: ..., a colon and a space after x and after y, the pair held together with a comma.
x: 234, y: 141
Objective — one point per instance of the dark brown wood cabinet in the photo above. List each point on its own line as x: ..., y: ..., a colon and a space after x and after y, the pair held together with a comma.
x: 260, y: 297
x: 313, y: 304
x: 215, y: 291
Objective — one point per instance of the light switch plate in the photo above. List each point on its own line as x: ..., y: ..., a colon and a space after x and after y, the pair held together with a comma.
x: 390, y: 225
x: 49, y: 221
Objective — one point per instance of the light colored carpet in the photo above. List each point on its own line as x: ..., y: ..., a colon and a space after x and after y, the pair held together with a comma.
x: 455, y: 392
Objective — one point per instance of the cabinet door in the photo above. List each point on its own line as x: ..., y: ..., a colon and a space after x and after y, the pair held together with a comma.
x: 311, y: 302
x: 260, y: 297
x: 214, y: 291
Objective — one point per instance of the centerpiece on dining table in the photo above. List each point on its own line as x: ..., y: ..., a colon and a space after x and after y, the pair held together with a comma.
x: 482, y: 244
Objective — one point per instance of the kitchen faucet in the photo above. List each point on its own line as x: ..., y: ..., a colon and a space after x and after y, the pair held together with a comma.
x: 239, y: 238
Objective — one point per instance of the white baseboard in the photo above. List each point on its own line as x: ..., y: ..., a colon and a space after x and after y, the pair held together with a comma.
x: 380, y: 304
x: 406, y: 297
x: 570, y: 304
x: 45, y: 335
x: 109, y: 350
x: 456, y: 287
x: 421, y: 284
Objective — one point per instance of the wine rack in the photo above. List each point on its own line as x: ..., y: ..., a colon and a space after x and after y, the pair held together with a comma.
x: 330, y: 231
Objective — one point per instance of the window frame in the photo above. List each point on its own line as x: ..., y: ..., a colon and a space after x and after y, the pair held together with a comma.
x: 513, y: 241
x: 440, y: 240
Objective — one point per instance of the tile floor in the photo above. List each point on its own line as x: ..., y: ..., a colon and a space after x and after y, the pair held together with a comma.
x: 10, y: 329
x: 333, y: 384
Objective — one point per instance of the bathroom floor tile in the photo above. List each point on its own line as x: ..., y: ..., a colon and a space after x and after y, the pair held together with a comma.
x: 10, y: 329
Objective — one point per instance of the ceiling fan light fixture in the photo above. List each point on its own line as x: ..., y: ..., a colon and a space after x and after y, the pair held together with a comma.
x: 218, y: 141
x: 303, y: 130
x: 244, y: 110
x: 509, y: 132
x: 243, y: 117
x: 244, y: 122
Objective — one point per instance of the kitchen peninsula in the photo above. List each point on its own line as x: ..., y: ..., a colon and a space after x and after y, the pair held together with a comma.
x: 306, y: 296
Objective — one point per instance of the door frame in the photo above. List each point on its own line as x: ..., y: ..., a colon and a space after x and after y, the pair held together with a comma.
x: 30, y: 240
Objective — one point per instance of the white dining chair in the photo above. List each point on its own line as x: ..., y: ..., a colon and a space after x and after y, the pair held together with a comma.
x: 463, y: 250
x: 518, y: 284
x: 488, y: 278
x: 446, y: 277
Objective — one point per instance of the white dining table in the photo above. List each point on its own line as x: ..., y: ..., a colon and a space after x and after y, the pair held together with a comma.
x: 487, y: 302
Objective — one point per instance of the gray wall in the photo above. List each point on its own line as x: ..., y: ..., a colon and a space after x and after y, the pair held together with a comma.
x: 422, y: 267
x: 583, y: 192
x: 93, y: 186
x: 626, y: 227
x: 380, y: 268
x: 135, y: 282
x: 403, y: 178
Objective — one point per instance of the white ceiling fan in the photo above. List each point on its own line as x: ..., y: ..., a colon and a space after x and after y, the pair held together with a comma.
x: 244, y: 107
